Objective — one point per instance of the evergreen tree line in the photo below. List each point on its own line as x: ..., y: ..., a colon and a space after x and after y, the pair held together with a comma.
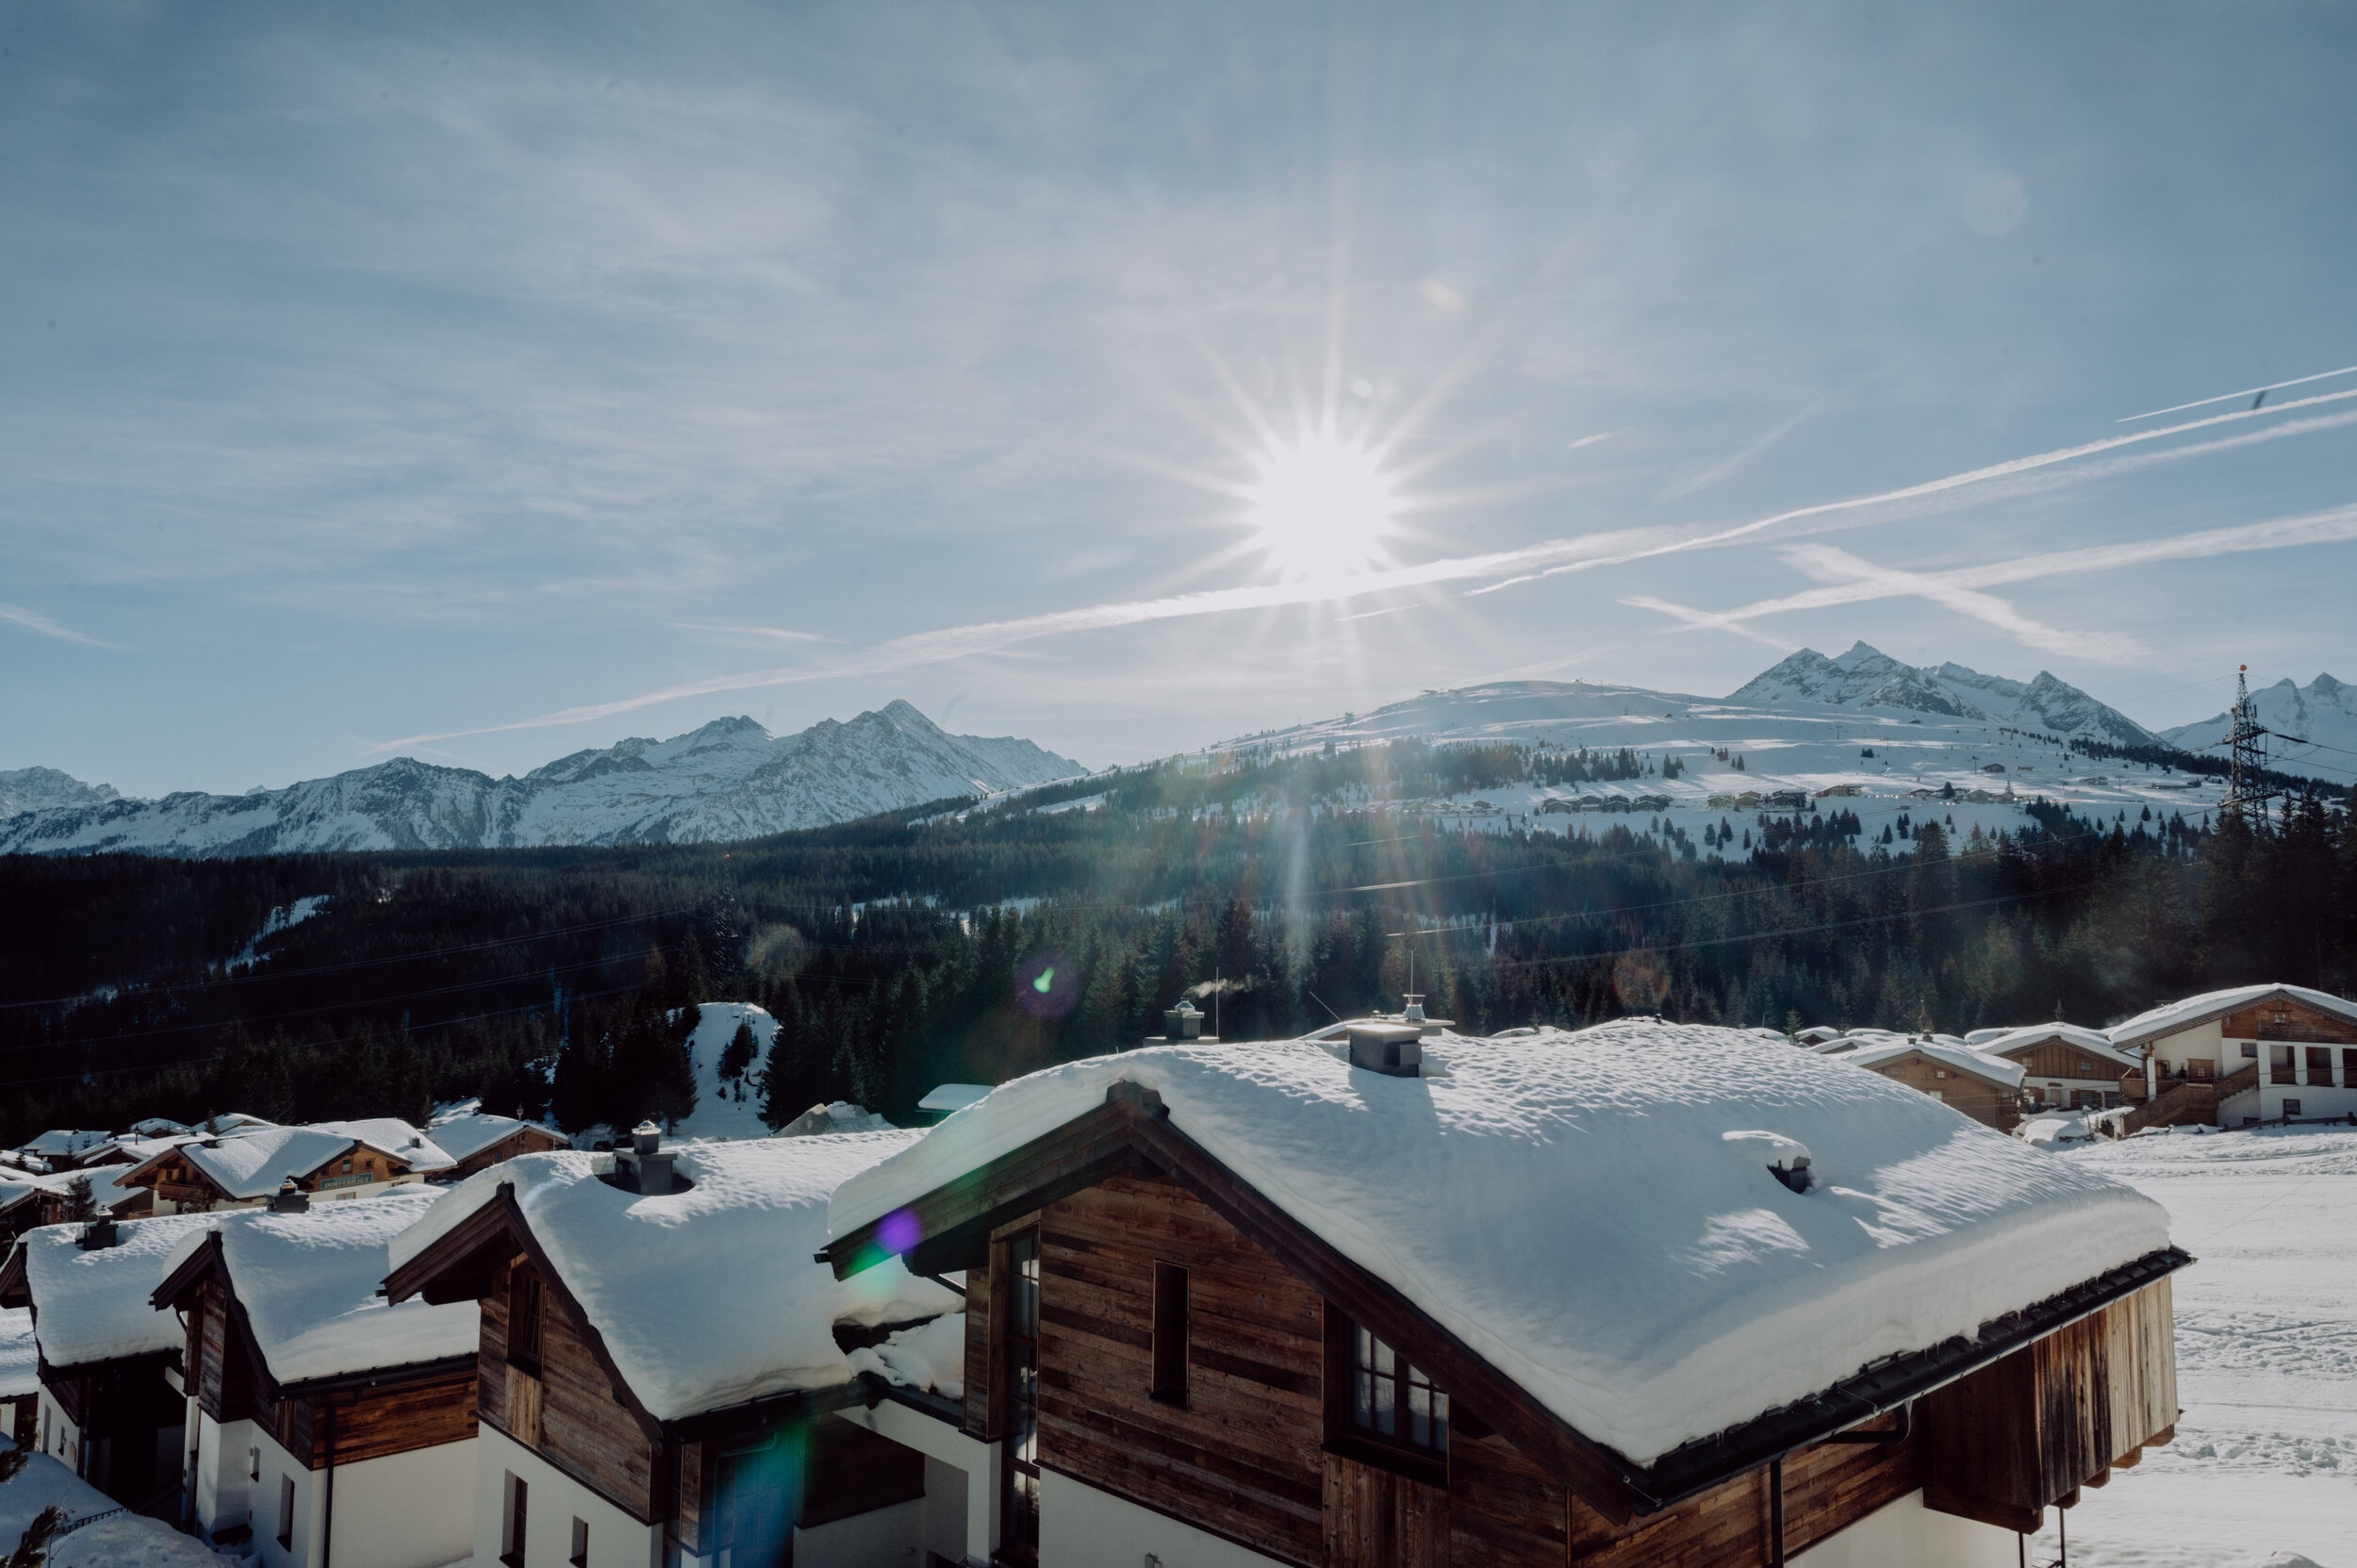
x: 970, y: 945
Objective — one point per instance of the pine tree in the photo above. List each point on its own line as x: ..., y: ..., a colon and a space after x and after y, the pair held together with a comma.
x: 80, y: 1203
x: 738, y: 1055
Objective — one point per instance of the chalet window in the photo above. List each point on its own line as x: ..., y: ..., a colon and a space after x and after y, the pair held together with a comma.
x: 286, y: 1512
x: 513, y: 1513
x: 346, y: 1167
x: 1380, y: 1407
x: 253, y: 1464
x: 1170, y: 1334
x: 581, y: 1544
x: 2291, y: 1108
x: 2250, y: 1048
x: 524, y: 1321
x: 1018, y: 1534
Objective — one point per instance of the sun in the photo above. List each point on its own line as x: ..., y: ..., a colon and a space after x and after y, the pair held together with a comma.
x: 1321, y: 506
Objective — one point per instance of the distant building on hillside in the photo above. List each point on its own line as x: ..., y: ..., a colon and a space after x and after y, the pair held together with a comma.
x: 480, y: 1139
x: 329, y: 1160
x: 1985, y: 1088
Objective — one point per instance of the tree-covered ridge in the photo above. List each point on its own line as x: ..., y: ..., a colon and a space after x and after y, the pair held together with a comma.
x: 960, y: 943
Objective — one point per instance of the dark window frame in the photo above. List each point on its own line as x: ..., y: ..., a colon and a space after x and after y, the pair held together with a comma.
x: 1168, y: 1383
x: 527, y: 1319
x: 286, y: 1512
x: 581, y: 1543
x: 1016, y: 1273
x: 514, y: 1520
x: 1349, y: 1440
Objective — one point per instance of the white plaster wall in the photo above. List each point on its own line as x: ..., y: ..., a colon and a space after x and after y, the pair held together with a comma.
x: 1083, y: 1528
x: 224, y: 1484
x: 945, y: 1444
x: 1906, y: 1534
x: 59, y: 1437
x: 408, y: 1510
x: 2314, y: 1100
x: 945, y: 1525
x: 2206, y: 1040
x: 555, y: 1500
x: 881, y: 1538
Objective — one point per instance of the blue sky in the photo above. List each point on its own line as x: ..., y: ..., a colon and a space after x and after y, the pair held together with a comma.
x: 487, y: 383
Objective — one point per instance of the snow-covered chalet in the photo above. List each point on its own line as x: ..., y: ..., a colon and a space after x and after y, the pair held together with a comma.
x: 1643, y: 1293
x: 323, y: 1424
x: 2247, y: 1055
x: 2064, y: 1067
x: 666, y: 1372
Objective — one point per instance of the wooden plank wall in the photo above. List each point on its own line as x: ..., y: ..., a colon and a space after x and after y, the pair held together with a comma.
x: 2306, y: 1023
x: 978, y: 1348
x: 2054, y: 1059
x: 1826, y: 1488
x: 421, y: 1413
x: 1374, y: 1519
x: 1504, y: 1510
x: 2020, y: 1435
x: 1242, y: 1456
x: 585, y: 1430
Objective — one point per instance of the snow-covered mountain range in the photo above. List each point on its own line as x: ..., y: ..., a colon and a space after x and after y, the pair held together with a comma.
x: 47, y: 789
x: 730, y: 779
x: 2323, y: 713
x: 1867, y: 678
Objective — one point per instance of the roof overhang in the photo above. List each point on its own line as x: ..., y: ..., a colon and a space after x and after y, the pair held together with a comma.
x: 1132, y: 1134
x: 2211, y: 1015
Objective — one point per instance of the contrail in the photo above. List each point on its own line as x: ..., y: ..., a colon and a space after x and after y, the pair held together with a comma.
x: 33, y: 620
x: 1550, y: 558
x: 2229, y: 397
x: 2335, y: 527
x: 1931, y: 486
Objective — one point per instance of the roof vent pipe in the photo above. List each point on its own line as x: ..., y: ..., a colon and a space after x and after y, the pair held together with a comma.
x: 289, y: 1200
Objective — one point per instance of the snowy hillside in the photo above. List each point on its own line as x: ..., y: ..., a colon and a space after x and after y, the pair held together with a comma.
x: 730, y: 779
x: 2323, y: 712
x: 719, y: 1114
x: 47, y: 789
x: 1894, y: 745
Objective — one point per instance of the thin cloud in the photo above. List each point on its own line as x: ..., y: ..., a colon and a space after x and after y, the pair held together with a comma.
x: 1726, y: 467
x: 33, y: 620
x: 1526, y: 564
x: 769, y: 634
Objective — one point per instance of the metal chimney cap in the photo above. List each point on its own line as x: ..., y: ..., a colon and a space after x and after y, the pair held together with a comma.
x: 645, y: 1137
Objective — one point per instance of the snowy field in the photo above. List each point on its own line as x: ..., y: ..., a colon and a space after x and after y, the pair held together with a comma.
x: 2265, y: 1456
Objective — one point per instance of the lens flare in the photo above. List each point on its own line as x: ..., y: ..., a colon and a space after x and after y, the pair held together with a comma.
x: 899, y: 1232
x: 1321, y: 505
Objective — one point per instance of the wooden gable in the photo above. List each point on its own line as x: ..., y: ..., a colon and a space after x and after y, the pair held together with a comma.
x: 1250, y: 1453
x: 2289, y: 1018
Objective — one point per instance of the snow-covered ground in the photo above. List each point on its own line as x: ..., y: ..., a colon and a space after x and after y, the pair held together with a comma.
x: 2266, y: 1455
x: 720, y: 1112
x: 125, y: 1541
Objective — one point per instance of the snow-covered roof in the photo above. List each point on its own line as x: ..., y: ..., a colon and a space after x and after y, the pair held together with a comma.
x: 58, y: 1140
x: 953, y: 1096
x: 393, y: 1136
x: 835, y: 1117
x: 19, y: 1362
x: 1573, y: 1208
x: 156, y: 1127
x: 472, y: 1132
x: 2167, y: 1019
x: 1948, y: 1051
x: 93, y: 1306
x: 308, y: 1283
x: 708, y: 1297
x: 253, y: 1164
x: 2093, y: 1042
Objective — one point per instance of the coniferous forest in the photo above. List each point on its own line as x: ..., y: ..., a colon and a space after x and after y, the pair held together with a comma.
x: 973, y: 944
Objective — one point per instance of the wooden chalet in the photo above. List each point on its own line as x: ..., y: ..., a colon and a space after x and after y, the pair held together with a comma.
x: 662, y: 1360
x: 1266, y: 1304
x: 2064, y: 1067
x: 478, y: 1140
x: 1989, y: 1089
x: 2240, y: 1057
x: 109, y: 1405
x: 331, y: 1160
x: 326, y: 1425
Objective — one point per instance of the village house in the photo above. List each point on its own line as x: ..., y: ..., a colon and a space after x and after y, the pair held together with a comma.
x: 478, y: 1140
x: 662, y: 1359
x: 2064, y: 1067
x: 1646, y: 1294
x: 323, y: 1423
x: 61, y: 1148
x: 111, y: 1407
x: 20, y: 1377
x: 2251, y: 1054
x: 328, y: 1160
x: 1984, y: 1087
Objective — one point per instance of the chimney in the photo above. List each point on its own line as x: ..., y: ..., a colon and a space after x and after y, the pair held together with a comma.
x: 97, y: 1235
x: 289, y: 1200
x: 642, y: 1167
x: 1183, y: 1022
x: 1396, y: 1051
